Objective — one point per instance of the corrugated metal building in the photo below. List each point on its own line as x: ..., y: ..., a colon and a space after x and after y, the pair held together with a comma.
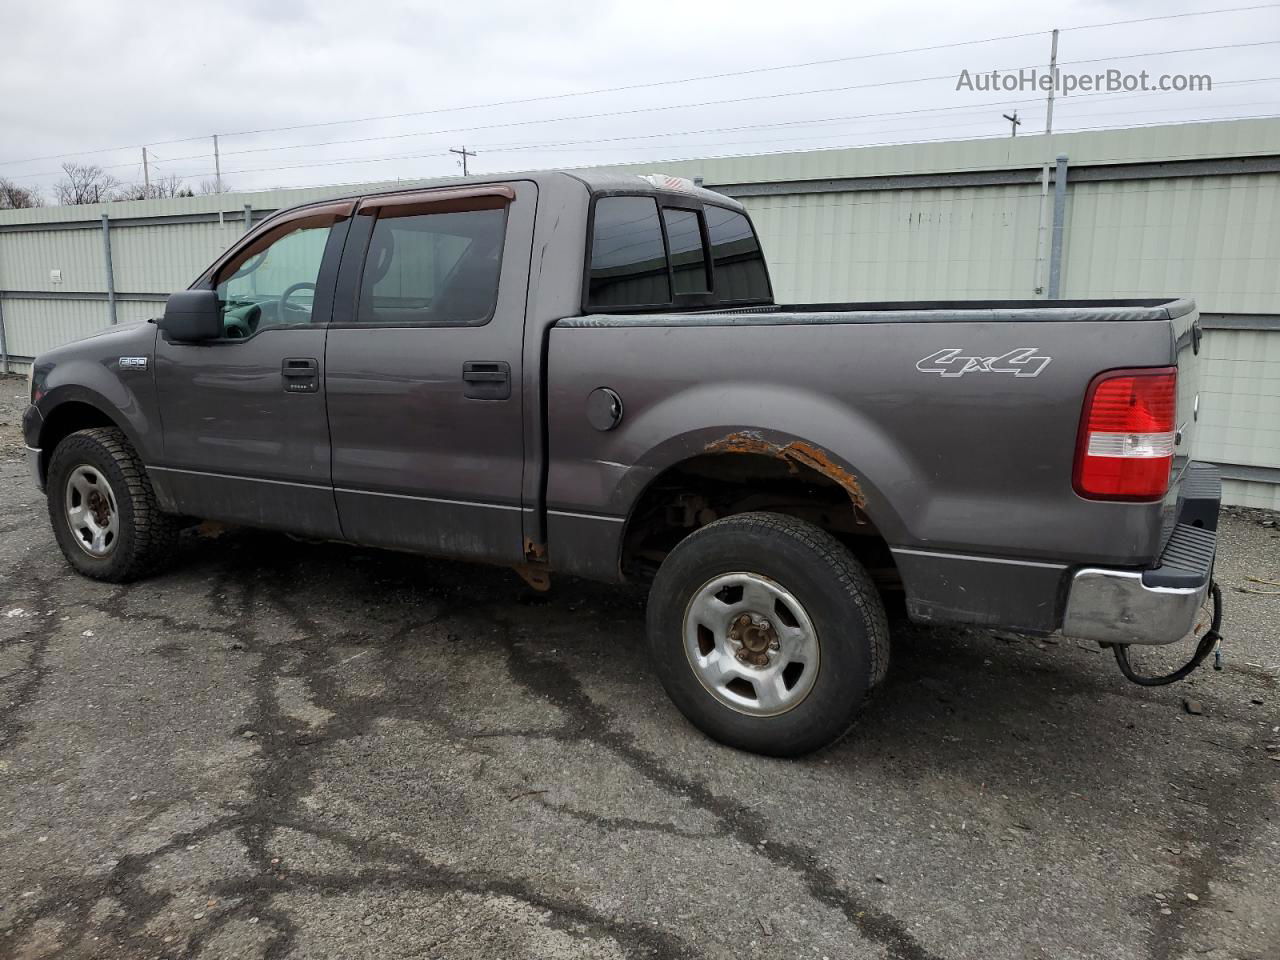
x: 1190, y: 209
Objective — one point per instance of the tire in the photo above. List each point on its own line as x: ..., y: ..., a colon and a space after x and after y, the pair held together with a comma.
x: 136, y: 536
x: 810, y: 603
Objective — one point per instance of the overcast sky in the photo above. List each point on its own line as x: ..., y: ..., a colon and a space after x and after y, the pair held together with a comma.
x: 77, y: 77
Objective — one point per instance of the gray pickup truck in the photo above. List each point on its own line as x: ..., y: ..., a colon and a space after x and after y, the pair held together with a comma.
x: 587, y: 374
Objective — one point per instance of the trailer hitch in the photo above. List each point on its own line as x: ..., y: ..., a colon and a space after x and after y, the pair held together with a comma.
x: 1211, y: 642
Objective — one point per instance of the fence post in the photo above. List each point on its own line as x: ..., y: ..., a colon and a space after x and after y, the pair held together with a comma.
x: 1059, y: 215
x: 111, y: 277
x: 4, y: 344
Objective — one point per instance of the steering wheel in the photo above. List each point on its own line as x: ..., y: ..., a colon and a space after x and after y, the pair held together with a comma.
x: 285, y: 305
x: 241, y: 324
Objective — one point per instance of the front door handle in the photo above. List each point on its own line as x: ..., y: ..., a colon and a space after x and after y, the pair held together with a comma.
x: 300, y: 374
x: 486, y: 379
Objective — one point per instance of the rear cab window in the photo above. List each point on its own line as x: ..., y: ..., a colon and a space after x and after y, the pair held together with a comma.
x: 655, y: 253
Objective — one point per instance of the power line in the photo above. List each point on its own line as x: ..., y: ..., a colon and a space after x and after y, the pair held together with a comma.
x: 534, y: 145
x: 670, y: 82
x: 741, y: 73
x: 696, y: 132
x: 986, y: 105
x: 712, y: 103
x: 348, y: 161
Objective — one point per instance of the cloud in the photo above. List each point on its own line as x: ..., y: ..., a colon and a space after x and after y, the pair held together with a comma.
x: 81, y: 76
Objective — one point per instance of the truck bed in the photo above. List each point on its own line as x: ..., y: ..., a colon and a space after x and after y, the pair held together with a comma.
x: 957, y: 421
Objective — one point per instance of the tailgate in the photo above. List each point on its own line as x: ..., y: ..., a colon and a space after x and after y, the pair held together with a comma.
x: 1188, y: 343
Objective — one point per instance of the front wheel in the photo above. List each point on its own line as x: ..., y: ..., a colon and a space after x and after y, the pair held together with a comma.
x: 767, y: 633
x: 103, y: 509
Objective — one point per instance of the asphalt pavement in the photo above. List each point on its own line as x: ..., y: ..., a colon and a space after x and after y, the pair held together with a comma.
x: 277, y: 749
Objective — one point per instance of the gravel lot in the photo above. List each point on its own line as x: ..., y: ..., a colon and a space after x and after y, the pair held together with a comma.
x: 277, y: 749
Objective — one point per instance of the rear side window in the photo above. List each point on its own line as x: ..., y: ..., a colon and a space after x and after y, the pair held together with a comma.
x: 436, y: 268
x: 739, y: 263
x: 628, y: 257
x: 688, y: 256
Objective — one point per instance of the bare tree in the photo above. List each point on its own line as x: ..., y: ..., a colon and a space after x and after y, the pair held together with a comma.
x: 84, y: 183
x: 131, y: 191
x: 14, y: 197
x: 171, y: 186
x: 168, y: 186
x: 211, y: 185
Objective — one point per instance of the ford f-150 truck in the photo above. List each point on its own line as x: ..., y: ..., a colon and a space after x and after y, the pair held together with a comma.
x: 587, y: 374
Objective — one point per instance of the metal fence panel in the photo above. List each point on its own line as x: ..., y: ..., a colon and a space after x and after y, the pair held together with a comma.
x: 842, y: 225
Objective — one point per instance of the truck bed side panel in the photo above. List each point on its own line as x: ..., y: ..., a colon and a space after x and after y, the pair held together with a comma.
x: 949, y: 460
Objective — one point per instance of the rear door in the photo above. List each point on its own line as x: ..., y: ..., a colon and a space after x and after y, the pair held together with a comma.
x: 423, y: 371
x: 246, y: 437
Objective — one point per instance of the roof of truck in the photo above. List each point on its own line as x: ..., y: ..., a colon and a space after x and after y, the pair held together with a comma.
x: 596, y: 181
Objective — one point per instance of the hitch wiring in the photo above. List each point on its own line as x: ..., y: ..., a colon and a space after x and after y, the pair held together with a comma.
x: 1209, y: 643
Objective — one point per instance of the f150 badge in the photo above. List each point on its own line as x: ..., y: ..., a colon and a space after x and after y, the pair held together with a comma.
x: 954, y: 362
x: 133, y: 363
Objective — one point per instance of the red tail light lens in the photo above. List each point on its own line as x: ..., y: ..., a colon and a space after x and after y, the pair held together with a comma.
x: 1127, y: 435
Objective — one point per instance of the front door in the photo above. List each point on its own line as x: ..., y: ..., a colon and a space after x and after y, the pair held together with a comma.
x: 423, y: 371
x: 246, y: 435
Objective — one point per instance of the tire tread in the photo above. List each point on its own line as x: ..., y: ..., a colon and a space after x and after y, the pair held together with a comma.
x: 849, y: 580
x: 155, y: 533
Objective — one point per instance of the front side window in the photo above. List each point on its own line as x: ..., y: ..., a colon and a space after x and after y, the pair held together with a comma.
x: 628, y: 257
x: 272, y: 282
x: 433, y: 268
x: 739, y: 263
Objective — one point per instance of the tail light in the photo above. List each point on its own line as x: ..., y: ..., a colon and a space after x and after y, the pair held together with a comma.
x: 1127, y: 435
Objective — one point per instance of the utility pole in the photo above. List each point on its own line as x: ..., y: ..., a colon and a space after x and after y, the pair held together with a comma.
x: 217, y: 165
x: 464, y: 153
x: 1053, y: 82
x: 146, y: 175
x: 1013, y: 120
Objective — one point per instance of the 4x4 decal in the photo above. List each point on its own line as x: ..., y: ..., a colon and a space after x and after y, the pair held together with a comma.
x: 953, y: 362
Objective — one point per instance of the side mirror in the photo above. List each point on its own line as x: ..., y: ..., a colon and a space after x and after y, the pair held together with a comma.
x: 191, y: 316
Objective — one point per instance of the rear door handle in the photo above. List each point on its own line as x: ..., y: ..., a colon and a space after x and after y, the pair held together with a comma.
x: 486, y: 379
x: 300, y: 374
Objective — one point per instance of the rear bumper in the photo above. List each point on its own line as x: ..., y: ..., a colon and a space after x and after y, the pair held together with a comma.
x: 1157, y: 605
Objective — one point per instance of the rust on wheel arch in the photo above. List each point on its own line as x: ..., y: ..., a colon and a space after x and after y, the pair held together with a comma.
x: 795, y: 452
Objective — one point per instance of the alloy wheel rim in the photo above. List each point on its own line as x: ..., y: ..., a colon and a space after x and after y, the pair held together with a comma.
x: 751, y: 644
x: 92, y: 512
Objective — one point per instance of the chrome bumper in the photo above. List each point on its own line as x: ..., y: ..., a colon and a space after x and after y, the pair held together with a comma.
x: 1115, y: 606
x: 1159, y: 605
x: 33, y: 466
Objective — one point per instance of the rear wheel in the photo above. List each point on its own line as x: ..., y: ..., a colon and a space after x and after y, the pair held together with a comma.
x: 767, y: 633
x: 103, y: 509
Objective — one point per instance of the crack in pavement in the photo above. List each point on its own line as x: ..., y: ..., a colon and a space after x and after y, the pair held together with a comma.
x: 551, y: 680
x: 277, y: 785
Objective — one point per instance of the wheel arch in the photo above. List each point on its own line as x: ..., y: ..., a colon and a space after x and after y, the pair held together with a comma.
x: 72, y: 408
x: 710, y: 474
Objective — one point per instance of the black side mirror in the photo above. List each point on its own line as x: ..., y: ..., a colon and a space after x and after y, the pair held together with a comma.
x: 191, y: 316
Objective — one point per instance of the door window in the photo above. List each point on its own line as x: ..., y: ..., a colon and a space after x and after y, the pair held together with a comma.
x: 628, y: 258
x: 440, y: 269
x: 272, y: 282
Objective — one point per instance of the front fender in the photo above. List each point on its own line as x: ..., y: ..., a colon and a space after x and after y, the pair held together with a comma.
x: 90, y: 372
